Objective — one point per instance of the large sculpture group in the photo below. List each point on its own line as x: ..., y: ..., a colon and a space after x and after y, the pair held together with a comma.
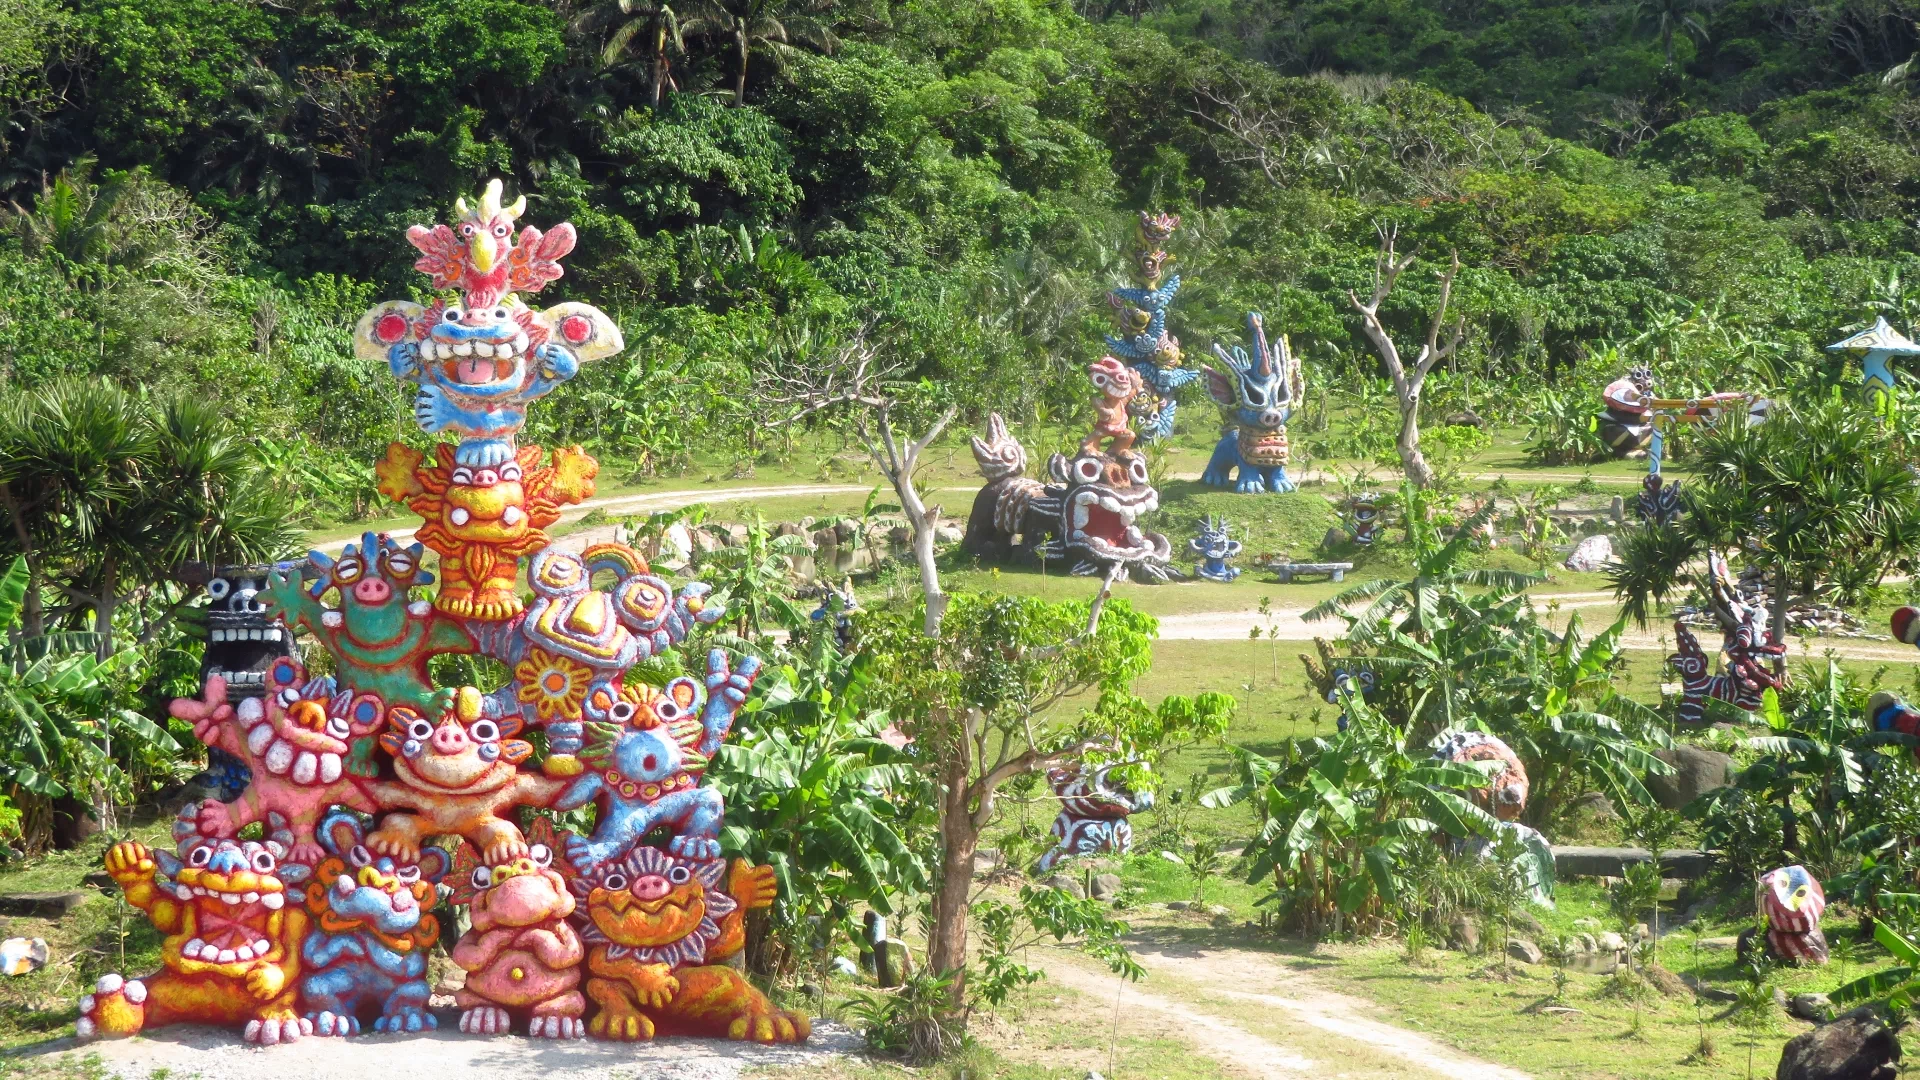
x: 321, y: 924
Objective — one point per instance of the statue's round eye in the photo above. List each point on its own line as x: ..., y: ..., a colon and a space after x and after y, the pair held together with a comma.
x: 451, y: 315
x: 679, y: 875
x: 408, y: 874
x: 466, y: 229
x: 218, y: 588
x: 485, y: 730
x: 463, y: 476
x: 501, y: 230
x: 420, y: 728
x: 482, y: 877
x: 200, y: 856
x: 263, y: 861
x: 667, y: 709
x: 360, y: 856
x: 614, y: 882
x: 1087, y: 469
x: 509, y: 471
x: 400, y: 566
x: 542, y: 855
x: 1138, y: 470
x: 347, y: 571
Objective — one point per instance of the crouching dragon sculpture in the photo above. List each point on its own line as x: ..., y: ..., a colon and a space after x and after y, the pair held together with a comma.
x: 1749, y: 645
x: 1094, y: 807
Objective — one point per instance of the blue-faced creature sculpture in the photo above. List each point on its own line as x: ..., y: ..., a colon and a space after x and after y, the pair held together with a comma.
x: 1216, y: 550
x: 1260, y: 392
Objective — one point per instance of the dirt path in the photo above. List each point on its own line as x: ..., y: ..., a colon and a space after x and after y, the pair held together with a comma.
x: 1216, y: 998
x: 213, y: 1054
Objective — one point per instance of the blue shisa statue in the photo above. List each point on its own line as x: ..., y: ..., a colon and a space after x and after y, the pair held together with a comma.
x: 1259, y: 393
x: 1216, y: 550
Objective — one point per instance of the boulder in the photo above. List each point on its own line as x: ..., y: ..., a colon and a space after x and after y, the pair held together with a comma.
x: 676, y: 544
x: 1069, y: 886
x: 846, y: 531
x: 1609, y: 942
x: 986, y: 860
x: 1106, y: 886
x: 948, y: 534
x: 1525, y: 951
x: 1696, y: 770
x: 1813, y: 1008
x: 1597, y: 804
x: 1464, y: 933
x: 788, y: 528
x: 1593, y: 553
x: 900, y: 536
x: 42, y: 905
x: 1178, y: 905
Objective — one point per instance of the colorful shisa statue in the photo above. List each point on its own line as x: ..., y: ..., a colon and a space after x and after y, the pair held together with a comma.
x: 243, y: 640
x: 1624, y: 421
x: 1792, y: 902
x: 1094, y: 807
x: 1889, y: 712
x: 1259, y: 393
x: 1216, y: 550
x: 1747, y: 641
x: 1144, y: 344
x: 373, y: 785
x: 1087, y: 513
x: 1876, y: 346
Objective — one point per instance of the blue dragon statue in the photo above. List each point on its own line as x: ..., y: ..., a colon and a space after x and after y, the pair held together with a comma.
x: 1261, y: 393
x: 1144, y: 344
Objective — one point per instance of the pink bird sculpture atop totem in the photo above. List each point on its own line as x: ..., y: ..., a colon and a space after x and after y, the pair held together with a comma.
x: 480, y: 256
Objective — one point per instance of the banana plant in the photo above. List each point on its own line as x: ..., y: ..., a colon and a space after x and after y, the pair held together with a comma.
x: 821, y: 788
x: 1339, y: 818
x: 57, y: 719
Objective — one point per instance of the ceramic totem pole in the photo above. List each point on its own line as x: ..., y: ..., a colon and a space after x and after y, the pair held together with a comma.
x: 1792, y: 902
x: 1144, y: 345
x: 1746, y: 639
x: 374, y: 784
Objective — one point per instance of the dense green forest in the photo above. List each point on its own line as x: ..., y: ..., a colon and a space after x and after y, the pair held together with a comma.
x: 205, y: 193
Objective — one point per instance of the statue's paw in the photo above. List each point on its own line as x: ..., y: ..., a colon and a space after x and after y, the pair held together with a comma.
x: 332, y: 1025
x: 585, y: 854
x: 694, y: 847
x: 1250, y: 485
x: 774, y: 1026
x: 1280, y: 485
x: 274, y: 1030
x: 116, y: 1009
x: 486, y: 1020
x: 407, y: 1018
x: 557, y: 1027
x: 1216, y: 478
x: 306, y: 853
x: 620, y: 1026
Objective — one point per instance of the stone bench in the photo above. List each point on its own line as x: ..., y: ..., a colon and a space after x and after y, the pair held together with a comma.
x: 1573, y: 861
x: 1287, y: 570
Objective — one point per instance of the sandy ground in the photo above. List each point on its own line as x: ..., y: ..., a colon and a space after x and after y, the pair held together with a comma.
x: 215, y: 1054
x: 1312, y: 1032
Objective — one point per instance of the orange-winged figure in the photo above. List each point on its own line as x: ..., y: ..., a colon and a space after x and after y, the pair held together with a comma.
x: 483, y: 519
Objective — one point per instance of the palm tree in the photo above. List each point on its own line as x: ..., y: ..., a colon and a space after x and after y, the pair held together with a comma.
x: 1669, y: 15
x: 656, y: 27
x: 1437, y: 570
x: 772, y: 26
x: 103, y: 493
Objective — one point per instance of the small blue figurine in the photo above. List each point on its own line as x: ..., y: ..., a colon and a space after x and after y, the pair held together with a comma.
x: 1215, y: 551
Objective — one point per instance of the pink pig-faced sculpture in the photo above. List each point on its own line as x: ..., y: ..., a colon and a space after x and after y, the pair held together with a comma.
x: 521, y: 956
x: 303, y: 742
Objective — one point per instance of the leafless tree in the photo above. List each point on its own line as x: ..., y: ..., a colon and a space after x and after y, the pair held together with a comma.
x: 1407, y: 382
x: 858, y: 378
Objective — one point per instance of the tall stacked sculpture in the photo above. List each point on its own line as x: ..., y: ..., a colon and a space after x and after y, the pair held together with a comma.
x: 1087, y: 510
x: 1259, y: 393
x: 373, y: 786
x: 1144, y: 345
